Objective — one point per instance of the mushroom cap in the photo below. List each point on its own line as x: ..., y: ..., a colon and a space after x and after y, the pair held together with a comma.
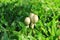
x: 31, y: 17
x: 27, y: 20
x: 35, y: 18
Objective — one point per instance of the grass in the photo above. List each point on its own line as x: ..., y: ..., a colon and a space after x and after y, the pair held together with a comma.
x: 13, y: 13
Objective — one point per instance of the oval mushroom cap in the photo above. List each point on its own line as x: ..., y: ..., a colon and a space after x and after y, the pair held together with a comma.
x: 31, y: 17
x: 27, y: 20
x: 35, y: 18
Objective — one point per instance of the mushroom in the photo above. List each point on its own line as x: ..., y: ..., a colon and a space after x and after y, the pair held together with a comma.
x: 34, y: 19
x: 27, y: 21
x: 31, y: 17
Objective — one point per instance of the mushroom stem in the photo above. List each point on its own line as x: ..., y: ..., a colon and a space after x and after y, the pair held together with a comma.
x: 32, y: 25
x: 27, y: 22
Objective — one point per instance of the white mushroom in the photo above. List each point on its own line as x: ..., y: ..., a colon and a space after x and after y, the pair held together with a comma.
x: 27, y: 21
x: 34, y: 19
x: 31, y: 17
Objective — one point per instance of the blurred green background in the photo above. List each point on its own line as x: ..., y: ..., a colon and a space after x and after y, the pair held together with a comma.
x: 13, y: 13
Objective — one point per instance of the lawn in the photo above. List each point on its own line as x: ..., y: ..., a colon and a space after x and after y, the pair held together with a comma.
x: 16, y: 24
